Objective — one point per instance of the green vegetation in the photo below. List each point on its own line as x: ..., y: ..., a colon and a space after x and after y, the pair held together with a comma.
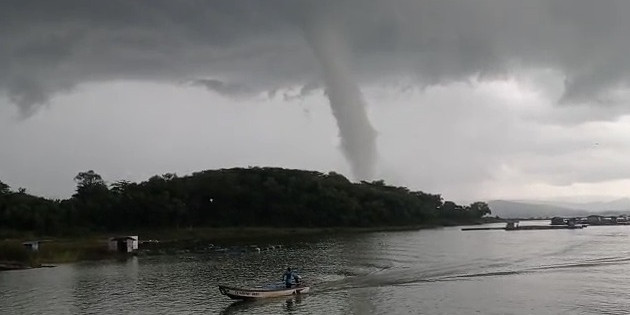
x: 15, y: 255
x: 61, y: 251
x: 15, y: 252
x: 238, y: 197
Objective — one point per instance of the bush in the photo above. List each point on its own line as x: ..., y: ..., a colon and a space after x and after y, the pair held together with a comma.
x: 14, y: 251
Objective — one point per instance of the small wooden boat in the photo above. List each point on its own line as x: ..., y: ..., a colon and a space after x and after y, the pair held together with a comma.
x: 259, y: 293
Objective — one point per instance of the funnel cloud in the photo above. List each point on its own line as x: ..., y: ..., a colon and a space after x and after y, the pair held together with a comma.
x: 358, y: 137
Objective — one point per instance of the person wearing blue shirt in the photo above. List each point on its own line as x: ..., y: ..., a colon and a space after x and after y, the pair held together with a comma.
x: 288, y: 276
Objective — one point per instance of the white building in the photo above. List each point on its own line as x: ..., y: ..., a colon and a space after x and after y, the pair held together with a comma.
x: 123, y: 244
x: 32, y: 245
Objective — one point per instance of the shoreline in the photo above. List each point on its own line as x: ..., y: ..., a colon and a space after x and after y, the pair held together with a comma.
x: 245, y: 233
x: 250, y: 232
x: 69, y: 249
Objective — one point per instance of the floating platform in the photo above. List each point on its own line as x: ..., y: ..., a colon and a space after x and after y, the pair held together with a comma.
x: 528, y: 227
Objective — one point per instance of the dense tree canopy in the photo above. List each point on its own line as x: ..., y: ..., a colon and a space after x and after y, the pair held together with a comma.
x: 4, y: 188
x: 229, y: 197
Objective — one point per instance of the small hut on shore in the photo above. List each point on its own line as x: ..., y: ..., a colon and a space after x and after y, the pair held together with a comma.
x: 558, y: 221
x: 512, y: 225
x: 123, y: 244
x: 33, y: 245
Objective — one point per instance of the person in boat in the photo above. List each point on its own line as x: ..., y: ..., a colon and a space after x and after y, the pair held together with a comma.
x: 290, y: 275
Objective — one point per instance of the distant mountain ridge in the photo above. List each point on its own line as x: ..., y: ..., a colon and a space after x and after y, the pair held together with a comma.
x: 622, y: 204
x: 533, y: 209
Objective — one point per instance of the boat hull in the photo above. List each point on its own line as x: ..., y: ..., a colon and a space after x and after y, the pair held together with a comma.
x: 250, y: 294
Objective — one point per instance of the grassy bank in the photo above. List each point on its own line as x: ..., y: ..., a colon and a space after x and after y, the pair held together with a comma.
x: 219, y: 234
x: 13, y: 253
x: 228, y: 234
x: 93, y: 246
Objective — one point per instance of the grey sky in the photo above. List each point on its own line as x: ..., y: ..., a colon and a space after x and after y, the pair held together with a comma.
x: 470, y: 98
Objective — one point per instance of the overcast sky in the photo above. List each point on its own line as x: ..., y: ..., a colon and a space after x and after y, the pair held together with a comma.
x: 471, y: 99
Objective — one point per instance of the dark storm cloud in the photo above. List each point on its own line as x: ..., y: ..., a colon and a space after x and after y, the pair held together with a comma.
x: 223, y: 88
x: 48, y: 46
x: 305, y: 90
x: 251, y: 46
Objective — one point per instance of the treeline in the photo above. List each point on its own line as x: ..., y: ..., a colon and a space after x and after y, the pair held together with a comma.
x: 228, y: 197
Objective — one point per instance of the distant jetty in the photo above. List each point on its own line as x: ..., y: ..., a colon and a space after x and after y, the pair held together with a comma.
x: 562, y: 223
x: 514, y: 226
x: 592, y: 220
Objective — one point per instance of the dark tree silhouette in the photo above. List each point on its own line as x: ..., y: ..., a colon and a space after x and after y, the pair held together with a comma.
x: 230, y: 197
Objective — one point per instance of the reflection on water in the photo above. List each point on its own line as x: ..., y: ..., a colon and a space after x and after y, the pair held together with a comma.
x: 241, y: 307
x: 443, y: 271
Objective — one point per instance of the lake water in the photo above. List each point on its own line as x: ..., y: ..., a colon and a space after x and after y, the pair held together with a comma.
x: 441, y: 271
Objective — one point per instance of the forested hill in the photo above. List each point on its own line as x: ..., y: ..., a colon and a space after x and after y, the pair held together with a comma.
x: 228, y: 197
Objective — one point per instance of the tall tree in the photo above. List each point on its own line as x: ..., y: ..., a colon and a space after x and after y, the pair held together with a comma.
x: 89, y: 178
x: 89, y: 183
x: 480, y: 208
x: 4, y: 188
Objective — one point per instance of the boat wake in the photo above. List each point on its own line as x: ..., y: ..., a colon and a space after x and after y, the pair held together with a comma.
x: 405, y: 276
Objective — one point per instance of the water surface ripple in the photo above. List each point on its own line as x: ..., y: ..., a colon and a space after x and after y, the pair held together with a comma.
x: 441, y: 271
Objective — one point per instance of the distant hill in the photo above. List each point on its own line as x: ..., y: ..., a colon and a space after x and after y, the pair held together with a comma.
x: 622, y: 204
x: 514, y: 209
x: 532, y: 209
